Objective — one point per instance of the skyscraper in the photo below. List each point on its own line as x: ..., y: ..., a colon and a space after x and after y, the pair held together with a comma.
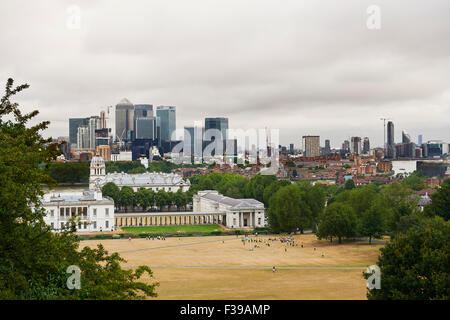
x: 124, y: 120
x: 83, y: 137
x: 390, y: 146
x: 144, y: 122
x: 218, y: 123
x: 406, y: 138
x: 366, y: 145
x: 327, y: 150
x: 355, y: 145
x: 420, y: 139
x: 94, y: 124
x: 311, y: 146
x: 166, y: 122
x: 74, y: 123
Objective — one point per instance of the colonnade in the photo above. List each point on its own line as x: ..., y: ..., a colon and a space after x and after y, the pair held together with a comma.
x: 130, y: 220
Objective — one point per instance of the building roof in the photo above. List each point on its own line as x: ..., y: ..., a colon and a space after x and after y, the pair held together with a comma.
x: 65, y: 198
x: 146, y: 179
x: 233, y: 203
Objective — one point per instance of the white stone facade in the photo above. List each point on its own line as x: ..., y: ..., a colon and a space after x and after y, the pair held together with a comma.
x: 239, y: 213
x: 95, y: 212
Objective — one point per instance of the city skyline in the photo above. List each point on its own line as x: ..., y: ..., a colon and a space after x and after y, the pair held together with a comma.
x: 328, y: 75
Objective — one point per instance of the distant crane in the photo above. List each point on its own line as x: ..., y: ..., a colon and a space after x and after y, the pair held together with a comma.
x: 384, y: 133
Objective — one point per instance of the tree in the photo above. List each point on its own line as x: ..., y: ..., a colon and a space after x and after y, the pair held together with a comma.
x: 372, y: 223
x: 111, y: 190
x: 338, y: 220
x: 414, y: 182
x: 440, y: 203
x: 288, y: 210
x: 415, y: 265
x: 349, y: 184
x: 126, y: 197
x: 33, y: 259
x: 161, y: 199
x: 180, y: 199
x: 272, y: 188
x: 144, y: 198
x: 446, y: 182
x: 256, y: 185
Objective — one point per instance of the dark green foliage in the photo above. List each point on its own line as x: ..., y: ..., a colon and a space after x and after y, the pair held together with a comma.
x: 414, y: 182
x: 69, y: 172
x: 415, y: 265
x: 440, y: 203
x: 338, y: 220
x: 295, y: 206
x: 272, y: 188
x: 349, y: 184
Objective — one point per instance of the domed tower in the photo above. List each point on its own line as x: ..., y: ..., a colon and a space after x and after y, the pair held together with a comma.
x: 98, y: 171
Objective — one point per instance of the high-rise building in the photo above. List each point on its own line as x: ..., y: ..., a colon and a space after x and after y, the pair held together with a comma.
x: 291, y: 148
x: 311, y: 146
x: 346, y: 146
x: 406, y: 138
x: 355, y: 145
x: 166, y: 122
x: 102, y: 120
x: 218, y: 123
x: 94, y: 124
x: 83, y: 137
x: 327, y: 150
x: 366, y: 145
x: 74, y: 123
x: 193, y: 141
x: 420, y: 139
x: 124, y: 120
x: 144, y: 122
x: 390, y: 146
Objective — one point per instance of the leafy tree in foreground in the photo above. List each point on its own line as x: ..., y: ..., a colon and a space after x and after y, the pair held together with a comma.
x: 33, y: 259
x: 415, y: 265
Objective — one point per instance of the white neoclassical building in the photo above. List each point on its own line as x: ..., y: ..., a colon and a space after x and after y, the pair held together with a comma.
x: 150, y: 180
x: 210, y: 207
x: 239, y: 213
x: 93, y: 211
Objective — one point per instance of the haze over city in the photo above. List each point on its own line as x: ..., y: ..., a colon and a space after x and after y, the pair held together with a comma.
x: 305, y: 68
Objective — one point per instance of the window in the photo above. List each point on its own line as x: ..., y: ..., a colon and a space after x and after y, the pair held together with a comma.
x: 259, y: 220
x: 85, y: 211
x: 106, y: 224
x: 85, y: 225
x: 95, y: 224
x: 52, y: 225
x: 61, y: 212
x: 107, y: 212
x: 62, y: 225
x: 94, y: 212
x: 67, y: 212
x: 52, y: 214
x: 73, y: 211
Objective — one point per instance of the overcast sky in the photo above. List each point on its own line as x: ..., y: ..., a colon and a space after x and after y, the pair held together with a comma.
x: 304, y: 67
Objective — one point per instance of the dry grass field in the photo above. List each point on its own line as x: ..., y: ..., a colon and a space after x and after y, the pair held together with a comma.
x: 224, y: 268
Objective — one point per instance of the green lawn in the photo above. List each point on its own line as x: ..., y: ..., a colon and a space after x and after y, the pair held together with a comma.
x: 162, y: 229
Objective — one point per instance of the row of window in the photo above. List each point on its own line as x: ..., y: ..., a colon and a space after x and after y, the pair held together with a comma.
x: 81, y: 226
x: 76, y: 211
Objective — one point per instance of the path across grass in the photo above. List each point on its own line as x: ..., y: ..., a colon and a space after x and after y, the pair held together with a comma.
x: 172, y: 229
